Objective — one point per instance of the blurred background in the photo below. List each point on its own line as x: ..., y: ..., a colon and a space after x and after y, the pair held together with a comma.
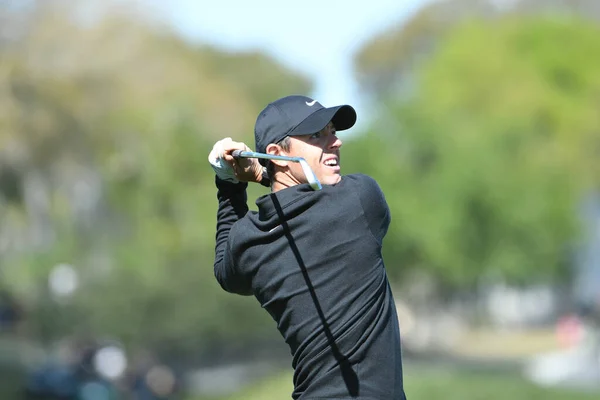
x: 480, y: 119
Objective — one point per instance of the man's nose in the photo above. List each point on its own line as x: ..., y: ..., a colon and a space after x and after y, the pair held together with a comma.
x: 336, y: 142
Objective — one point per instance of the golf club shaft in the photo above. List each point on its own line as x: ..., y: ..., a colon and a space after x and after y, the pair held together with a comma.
x: 252, y: 154
x: 308, y: 172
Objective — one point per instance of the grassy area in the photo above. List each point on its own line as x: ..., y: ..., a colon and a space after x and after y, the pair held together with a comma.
x: 452, y: 385
x: 428, y: 384
x: 492, y: 344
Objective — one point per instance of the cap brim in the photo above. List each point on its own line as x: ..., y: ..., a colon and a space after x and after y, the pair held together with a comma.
x: 343, y: 117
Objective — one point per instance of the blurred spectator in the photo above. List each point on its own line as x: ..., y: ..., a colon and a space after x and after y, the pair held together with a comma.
x: 10, y: 312
x: 152, y: 380
x: 73, y: 377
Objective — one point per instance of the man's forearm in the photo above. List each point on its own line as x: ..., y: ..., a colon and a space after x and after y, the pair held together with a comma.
x: 232, y: 206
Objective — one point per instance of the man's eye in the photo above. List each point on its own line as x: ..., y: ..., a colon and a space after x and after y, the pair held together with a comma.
x: 315, y: 135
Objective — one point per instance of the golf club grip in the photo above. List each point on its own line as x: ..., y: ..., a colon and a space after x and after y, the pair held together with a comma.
x: 236, y: 153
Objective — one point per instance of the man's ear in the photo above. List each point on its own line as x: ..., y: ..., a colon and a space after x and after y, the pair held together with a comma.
x: 276, y: 150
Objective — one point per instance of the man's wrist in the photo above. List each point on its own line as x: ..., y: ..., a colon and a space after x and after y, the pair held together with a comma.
x: 264, y: 180
x: 229, y: 185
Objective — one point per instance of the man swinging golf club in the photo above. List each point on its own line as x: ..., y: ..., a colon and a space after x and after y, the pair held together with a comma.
x: 311, y: 254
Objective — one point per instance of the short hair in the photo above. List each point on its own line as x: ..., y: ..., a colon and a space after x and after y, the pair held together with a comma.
x: 285, y: 144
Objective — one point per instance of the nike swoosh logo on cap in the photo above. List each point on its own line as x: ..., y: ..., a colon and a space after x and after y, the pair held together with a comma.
x: 312, y: 103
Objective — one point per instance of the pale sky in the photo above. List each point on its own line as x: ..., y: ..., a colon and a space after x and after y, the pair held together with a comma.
x: 315, y: 37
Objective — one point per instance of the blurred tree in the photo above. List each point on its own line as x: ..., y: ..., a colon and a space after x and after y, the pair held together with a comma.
x: 487, y: 158
x: 105, y: 126
x: 385, y: 65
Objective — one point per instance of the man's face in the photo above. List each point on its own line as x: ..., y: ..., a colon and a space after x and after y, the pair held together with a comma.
x: 321, y: 151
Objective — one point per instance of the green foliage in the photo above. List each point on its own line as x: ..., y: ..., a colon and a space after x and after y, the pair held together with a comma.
x: 423, y: 383
x: 485, y: 163
x: 482, y: 164
x: 389, y: 60
x: 132, y: 111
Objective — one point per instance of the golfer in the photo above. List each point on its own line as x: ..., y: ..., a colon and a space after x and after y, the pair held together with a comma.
x: 312, y: 258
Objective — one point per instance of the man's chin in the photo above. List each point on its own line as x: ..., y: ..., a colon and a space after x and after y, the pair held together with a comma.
x: 331, y: 179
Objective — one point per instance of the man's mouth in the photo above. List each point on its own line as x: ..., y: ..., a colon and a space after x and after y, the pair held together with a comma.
x: 332, y: 163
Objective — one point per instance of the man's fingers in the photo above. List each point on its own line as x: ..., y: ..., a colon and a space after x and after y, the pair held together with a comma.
x: 224, y: 147
x: 233, y: 147
x: 243, y: 169
x: 230, y: 145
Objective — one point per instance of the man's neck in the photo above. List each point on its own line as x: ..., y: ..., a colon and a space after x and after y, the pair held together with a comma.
x: 283, y: 181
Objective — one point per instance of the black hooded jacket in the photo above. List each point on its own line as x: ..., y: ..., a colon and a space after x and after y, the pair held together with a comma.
x: 313, y: 260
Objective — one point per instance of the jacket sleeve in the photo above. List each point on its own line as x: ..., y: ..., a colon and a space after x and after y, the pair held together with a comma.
x: 232, y: 199
x: 374, y: 206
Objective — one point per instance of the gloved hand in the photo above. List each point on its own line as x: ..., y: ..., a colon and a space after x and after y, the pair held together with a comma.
x: 222, y: 168
x: 229, y: 169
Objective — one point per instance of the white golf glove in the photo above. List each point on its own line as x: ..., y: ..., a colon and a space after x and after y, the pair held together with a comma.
x: 222, y: 168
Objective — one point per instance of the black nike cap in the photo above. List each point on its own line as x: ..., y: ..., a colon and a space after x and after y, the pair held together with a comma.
x: 298, y: 115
